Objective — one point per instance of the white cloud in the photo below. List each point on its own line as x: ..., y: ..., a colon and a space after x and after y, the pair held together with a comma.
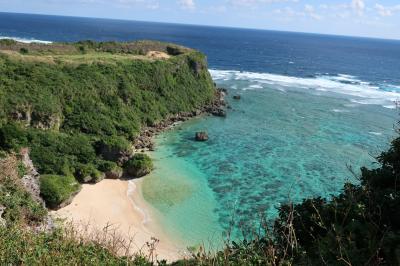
x: 150, y: 4
x: 253, y: 3
x: 187, y: 4
x: 358, y: 6
x: 309, y: 8
x: 310, y: 11
x: 289, y: 13
x: 386, y: 11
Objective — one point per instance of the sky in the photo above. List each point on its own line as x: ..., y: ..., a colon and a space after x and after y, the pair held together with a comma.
x: 368, y: 18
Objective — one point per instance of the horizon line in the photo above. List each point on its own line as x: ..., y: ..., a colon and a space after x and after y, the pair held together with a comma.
x: 207, y: 25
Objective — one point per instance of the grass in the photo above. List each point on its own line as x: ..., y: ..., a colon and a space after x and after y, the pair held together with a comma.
x: 77, y: 59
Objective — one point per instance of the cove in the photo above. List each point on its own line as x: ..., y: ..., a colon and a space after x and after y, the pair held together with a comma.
x: 283, y: 141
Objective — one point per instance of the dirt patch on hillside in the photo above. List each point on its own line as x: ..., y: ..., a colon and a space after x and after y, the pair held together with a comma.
x: 158, y: 55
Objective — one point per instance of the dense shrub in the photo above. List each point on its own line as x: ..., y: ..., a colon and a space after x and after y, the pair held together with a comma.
x: 57, y: 189
x: 87, y: 173
x: 12, y: 136
x: 111, y: 170
x: 112, y: 148
x: 139, y: 165
x: 58, y: 153
x: 23, y: 50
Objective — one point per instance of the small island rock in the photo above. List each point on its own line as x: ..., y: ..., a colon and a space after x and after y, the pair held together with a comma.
x: 237, y: 97
x: 201, y: 136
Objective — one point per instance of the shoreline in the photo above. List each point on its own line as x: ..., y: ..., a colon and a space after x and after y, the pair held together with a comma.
x: 145, y: 140
x: 119, y: 205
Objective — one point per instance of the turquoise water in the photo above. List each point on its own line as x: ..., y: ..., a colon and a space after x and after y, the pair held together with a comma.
x: 299, y: 124
x: 282, y: 141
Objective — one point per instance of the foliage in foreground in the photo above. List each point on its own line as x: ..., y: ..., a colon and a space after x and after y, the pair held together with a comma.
x: 361, y: 226
x: 19, y: 246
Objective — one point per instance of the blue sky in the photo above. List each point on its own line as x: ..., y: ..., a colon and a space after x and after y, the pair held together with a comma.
x: 372, y: 18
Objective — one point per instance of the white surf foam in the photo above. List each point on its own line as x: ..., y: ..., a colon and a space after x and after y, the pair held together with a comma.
x: 361, y: 92
x: 256, y: 86
x: 24, y: 40
x: 339, y: 111
x: 131, y: 190
x: 375, y: 133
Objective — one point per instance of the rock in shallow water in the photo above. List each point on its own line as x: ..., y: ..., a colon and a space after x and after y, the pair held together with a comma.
x: 201, y: 136
x: 219, y: 112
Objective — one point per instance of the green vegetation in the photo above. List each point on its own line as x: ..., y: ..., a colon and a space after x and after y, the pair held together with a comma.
x: 139, y: 165
x: 79, y: 106
x: 361, y: 226
x: 56, y: 189
x: 23, y: 50
x: 21, y: 243
x: 19, y: 207
x: 23, y: 247
x: 112, y: 148
x: 111, y: 169
x: 21, y: 169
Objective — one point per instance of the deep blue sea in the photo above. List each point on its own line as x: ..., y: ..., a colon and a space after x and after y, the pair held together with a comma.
x: 312, y: 107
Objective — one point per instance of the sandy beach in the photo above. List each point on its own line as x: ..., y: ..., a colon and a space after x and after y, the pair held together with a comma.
x: 120, y: 204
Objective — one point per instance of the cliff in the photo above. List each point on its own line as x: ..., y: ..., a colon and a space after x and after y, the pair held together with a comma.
x: 78, y: 107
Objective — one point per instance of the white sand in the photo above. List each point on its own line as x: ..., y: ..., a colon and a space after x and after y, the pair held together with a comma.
x: 121, y: 204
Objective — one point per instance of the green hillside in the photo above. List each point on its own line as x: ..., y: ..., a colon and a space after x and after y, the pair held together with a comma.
x: 78, y: 107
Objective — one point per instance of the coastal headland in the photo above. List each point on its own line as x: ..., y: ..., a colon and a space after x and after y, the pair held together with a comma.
x: 83, y: 111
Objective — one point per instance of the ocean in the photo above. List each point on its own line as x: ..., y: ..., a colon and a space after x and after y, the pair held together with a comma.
x: 313, y: 110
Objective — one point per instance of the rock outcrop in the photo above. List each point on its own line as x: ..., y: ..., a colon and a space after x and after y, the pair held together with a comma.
x: 201, y: 136
x: 2, y: 221
x: 115, y: 173
x: 31, y: 179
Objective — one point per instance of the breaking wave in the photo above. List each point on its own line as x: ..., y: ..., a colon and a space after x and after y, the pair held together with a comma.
x: 25, y: 40
x: 360, y: 92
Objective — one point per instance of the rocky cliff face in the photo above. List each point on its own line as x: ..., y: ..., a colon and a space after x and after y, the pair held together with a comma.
x: 30, y: 179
